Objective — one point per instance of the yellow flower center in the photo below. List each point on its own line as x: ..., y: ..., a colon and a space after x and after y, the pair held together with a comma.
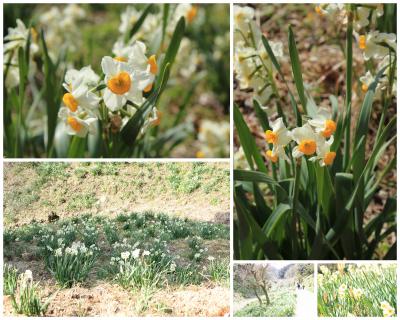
x: 74, y: 123
x: 120, y: 84
x: 191, y: 14
x: 271, y: 136
x: 121, y: 59
x: 271, y: 156
x: 200, y: 154
x: 318, y: 10
x: 148, y: 88
x: 329, y: 158
x: 364, y: 87
x: 330, y: 128
x: 153, y: 64
x: 308, y: 146
x: 70, y: 102
x: 362, y: 42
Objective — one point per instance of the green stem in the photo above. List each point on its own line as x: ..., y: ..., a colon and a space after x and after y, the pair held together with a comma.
x: 295, y: 217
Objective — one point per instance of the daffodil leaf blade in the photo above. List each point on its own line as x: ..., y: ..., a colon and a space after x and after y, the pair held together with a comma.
x: 247, y: 142
x: 343, y: 183
x: 296, y: 70
x: 131, y: 130
x: 174, y: 45
x: 139, y: 22
x: 261, y: 115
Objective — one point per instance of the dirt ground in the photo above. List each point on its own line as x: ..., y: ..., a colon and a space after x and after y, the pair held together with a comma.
x: 107, y: 299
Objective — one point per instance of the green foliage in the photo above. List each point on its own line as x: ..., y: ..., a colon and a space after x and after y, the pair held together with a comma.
x: 323, y: 208
x: 26, y: 299
x: 219, y: 271
x: 356, y: 290
x: 72, y: 264
x: 10, y: 278
x: 282, y: 304
x: 82, y: 201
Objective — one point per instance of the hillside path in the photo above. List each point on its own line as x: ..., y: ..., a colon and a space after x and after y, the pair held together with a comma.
x: 305, y: 304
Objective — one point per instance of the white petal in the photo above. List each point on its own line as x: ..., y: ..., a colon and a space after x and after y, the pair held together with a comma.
x: 134, y: 95
x: 108, y: 66
x: 114, y: 102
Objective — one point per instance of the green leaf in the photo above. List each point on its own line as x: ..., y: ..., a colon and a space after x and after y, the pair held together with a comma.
x: 132, y: 129
x: 173, y: 47
x: 268, y: 247
x: 140, y: 21
x: 335, y: 106
x: 274, y: 228
x: 247, y: 142
x: 296, y: 69
x: 278, y: 68
x: 261, y: 115
x: 51, y: 99
x: 256, y: 176
x: 344, y: 183
x: 325, y: 192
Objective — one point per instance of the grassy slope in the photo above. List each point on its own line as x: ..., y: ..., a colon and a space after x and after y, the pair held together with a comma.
x: 283, y: 302
x: 197, y: 191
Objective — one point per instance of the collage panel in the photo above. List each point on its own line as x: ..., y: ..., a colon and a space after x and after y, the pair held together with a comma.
x: 116, y: 239
x: 116, y: 80
x: 274, y: 289
x: 315, y: 131
x: 357, y: 290
x: 199, y: 160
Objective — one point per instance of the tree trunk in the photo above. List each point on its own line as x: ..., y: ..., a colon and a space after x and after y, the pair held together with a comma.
x: 258, y: 297
x: 264, y: 289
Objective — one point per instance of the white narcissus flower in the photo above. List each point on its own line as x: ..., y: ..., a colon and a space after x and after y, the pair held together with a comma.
x: 85, y: 76
x: 279, y: 135
x: 186, y: 10
x: 145, y: 253
x: 387, y: 309
x: 135, y: 56
x: 128, y: 18
x: 79, y: 95
x: 324, y: 153
x: 135, y: 253
x: 58, y: 252
x: 323, y: 123
x: 361, y: 17
x: 372, y: 46
x: 123, y: 83
x: 242, y: 17
x: 276, y: 153
x: 77, y: 123
x: 125, y: 255
x: 18, y: 36
x: 28, y: 275
x: 366, y: 81
x: 330, y: 8
x: 306, y: 139
x: 244, y: 65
